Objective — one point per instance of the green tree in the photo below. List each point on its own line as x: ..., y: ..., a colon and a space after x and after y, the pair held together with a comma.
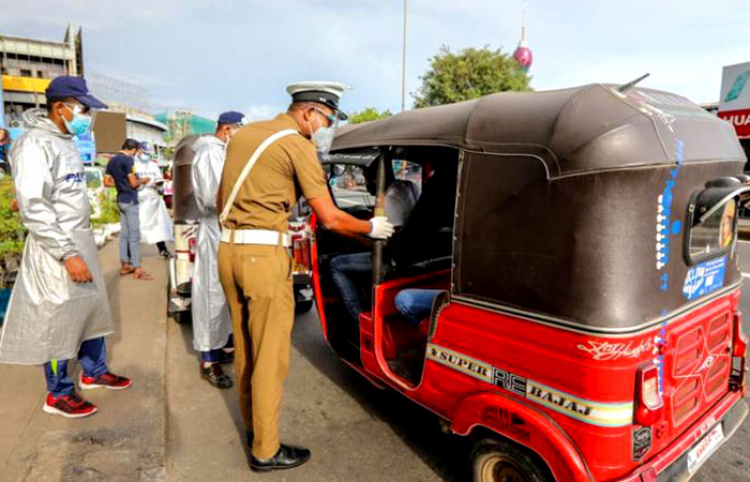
x: 468, y: 74
x: 12, y: 232
x: 367, y: 115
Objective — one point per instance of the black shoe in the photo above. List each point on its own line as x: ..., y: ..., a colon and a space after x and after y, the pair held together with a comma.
x: 287, y: 457
x: 225, y: 357
x: 166, y: 254
x: 216, y: 376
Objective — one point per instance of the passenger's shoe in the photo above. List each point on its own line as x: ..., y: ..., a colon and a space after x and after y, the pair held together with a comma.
x: 216, y: 376
x: 225, y: 357
x: 108, y: 380
x: 166, y: 254
x: 287, y: 457
x: 69, y: 406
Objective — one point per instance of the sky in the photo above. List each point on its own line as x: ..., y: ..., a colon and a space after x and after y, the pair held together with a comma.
x: 213, y: 56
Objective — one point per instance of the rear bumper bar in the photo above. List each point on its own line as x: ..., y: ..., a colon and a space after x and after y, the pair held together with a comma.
x: 672, y: 463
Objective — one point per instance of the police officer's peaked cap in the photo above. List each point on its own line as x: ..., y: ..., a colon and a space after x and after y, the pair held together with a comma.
x: 232, y: 117
x: 326, y: 93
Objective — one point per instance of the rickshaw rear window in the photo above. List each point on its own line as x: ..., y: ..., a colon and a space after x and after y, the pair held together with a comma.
x: 715, y: 234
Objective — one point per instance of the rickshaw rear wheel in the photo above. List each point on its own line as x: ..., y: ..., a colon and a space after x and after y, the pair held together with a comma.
x: 500, y: 461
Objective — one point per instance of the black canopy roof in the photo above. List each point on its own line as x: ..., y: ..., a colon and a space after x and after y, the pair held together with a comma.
x: 572, y: 131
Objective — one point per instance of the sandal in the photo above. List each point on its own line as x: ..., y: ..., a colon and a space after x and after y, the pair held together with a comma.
x: 126, y: 271
x: 142, y: 275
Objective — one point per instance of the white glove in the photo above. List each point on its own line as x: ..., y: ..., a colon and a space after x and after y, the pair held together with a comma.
x: 381, y: 228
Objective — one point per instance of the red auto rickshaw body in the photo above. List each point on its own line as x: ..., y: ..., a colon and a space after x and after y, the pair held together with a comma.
x: 588, y: 306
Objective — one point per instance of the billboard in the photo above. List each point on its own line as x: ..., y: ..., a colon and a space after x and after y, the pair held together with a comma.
x: 109, y: 130
x: 734, y: 105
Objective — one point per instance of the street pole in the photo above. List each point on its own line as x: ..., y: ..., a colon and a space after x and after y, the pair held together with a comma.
x: 403, y: 66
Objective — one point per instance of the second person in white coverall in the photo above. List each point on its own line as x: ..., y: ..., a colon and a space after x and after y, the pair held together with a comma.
x: 212, y: 326
x: 155, y: 223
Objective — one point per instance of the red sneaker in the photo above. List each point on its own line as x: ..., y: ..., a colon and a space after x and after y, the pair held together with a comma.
x: 108, y: 380
x: 69, y: 406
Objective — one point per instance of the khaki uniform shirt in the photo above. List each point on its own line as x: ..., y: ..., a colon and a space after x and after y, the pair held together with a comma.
x: 287, y: 169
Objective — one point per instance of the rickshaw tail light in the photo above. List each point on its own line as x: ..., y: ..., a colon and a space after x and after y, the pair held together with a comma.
x: 650, y: 404
x: 739, y: 348
x: 191, y: 249
x: 301, y: 253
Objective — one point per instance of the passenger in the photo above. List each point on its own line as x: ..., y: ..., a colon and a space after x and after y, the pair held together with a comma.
x: 212, y: 325
x: 400, y: 199
x: 428, y: 235
x: 416, y: 304
x: 59, y: 308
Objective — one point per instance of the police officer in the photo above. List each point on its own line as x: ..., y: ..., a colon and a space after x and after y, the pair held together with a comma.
x: 269, y: 165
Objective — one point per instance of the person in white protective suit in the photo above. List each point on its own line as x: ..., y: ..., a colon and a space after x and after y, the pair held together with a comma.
x: 155, y: 223
x: 59, y: 308
x: 212, y: 325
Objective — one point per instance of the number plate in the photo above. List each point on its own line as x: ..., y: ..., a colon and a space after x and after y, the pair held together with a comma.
x: 704, y: 448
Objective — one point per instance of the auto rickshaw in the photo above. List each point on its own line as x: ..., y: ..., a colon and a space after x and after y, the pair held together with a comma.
x: 582, y: 243
x: 186, y: 216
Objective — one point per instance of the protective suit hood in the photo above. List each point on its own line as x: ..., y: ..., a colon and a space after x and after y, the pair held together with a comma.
x: 209, y: 140
x: 37, y: 119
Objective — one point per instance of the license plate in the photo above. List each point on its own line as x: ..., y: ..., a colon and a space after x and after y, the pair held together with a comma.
x: 705, y: 448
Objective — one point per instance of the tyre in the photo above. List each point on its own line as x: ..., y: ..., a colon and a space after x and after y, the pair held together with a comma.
x: 182, y: 317
x: 303, y: 306
x: 500, y: 461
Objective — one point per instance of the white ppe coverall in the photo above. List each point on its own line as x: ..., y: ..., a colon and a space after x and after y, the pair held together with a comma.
x: 49, y: 315
x: 155, y: 223
x: 211, y: 321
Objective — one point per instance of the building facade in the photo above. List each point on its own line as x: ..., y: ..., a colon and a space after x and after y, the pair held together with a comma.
x: 27, y: 67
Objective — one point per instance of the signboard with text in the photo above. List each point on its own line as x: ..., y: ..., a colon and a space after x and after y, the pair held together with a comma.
x: 734, y: 105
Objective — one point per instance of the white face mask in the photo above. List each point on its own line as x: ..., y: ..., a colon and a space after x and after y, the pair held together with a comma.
x: 143, y: 157
x: 323, y: 136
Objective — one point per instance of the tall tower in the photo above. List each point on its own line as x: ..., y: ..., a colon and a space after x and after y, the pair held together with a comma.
x: 523, y: 54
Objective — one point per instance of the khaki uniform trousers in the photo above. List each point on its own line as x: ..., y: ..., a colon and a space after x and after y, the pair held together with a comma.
x: 257, y: 281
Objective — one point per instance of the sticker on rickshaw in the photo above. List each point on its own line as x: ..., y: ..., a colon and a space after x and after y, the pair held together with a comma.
x: 606, y: 351
x: 595, y: 413
x: 705, y: 278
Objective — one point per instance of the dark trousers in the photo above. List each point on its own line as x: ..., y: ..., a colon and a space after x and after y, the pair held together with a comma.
x: 212, y: 356
x: 93, y: 358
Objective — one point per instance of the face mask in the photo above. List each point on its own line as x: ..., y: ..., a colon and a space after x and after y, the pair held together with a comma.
x: 80, y: 124
x: 323, y: 137
x: 144, y: 157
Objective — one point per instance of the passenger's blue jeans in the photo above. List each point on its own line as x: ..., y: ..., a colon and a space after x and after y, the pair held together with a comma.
x: 342, y: 269
x: 130, y: 234
x: 93, y: 358
x: 415, y: 304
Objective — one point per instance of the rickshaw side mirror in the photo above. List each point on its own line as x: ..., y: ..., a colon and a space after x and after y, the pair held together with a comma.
x: 712, y: 219
x: 715, y: 196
